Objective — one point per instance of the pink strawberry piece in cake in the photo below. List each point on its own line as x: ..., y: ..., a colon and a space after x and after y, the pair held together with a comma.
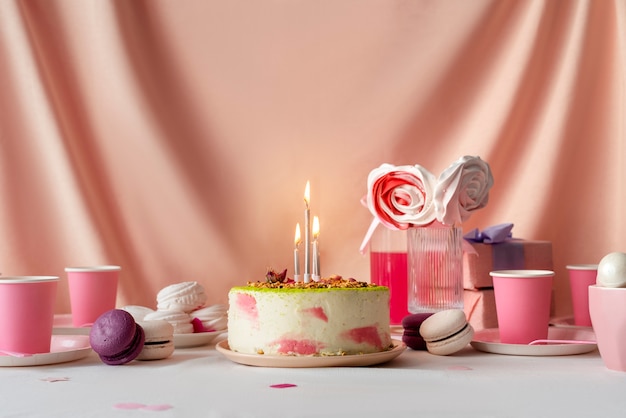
x: 316, y: 312
x: 300, y: 347
x: 247, y: 304
x: 367, y: 335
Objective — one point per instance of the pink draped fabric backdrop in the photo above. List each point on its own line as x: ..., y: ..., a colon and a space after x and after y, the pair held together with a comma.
x: 176, y: 138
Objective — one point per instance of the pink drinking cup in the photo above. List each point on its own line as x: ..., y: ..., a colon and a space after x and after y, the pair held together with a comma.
x: 93, y: 291
x: 27, y: 313
x: 607, y: 307
x: 581, y: 276
x: 523, y: 300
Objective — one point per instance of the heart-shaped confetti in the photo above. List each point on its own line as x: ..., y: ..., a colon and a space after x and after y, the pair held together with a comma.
x: 55, y: 379
x: 283, y: 385
x: 134, y: 405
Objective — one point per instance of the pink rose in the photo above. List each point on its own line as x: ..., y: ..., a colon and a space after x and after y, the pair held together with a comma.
x: 461, y: 189
x: 401, y: 196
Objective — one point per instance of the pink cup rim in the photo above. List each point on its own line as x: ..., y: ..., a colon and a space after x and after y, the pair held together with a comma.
x: 27, y: 279
x: 605, y: 288
x: 92, y: 268
x: 521, y: 274
x: 582, y: 267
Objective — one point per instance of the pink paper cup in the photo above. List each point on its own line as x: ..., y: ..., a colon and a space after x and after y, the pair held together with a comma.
x: 522, y: 304
x: 26, y: 313
x: 93, y: 291
x: 581, y: 276
x: 607, y: 307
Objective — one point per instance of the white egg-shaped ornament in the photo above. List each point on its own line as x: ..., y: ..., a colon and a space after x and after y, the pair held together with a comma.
x: 612, y: 270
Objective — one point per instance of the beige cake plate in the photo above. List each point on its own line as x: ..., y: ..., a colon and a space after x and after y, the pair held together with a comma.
x: 356, y: 360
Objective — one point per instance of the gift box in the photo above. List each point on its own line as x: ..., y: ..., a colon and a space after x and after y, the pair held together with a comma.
x: 510, y: 254
x: 480, y: 308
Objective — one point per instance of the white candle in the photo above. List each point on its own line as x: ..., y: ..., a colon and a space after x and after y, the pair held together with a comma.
x: 296, y: 255
x: 307, y: 233
x: 316, y: 248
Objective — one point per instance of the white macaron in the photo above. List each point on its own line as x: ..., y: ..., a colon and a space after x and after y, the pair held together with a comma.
x: 159, y: 342
x: 446, y: 332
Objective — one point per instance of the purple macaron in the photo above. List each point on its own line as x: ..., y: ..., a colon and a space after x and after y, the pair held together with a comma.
x: 411, y: 336
x: 116, y: 337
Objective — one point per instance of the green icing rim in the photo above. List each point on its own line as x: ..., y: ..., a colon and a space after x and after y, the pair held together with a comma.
x: 300, y: 289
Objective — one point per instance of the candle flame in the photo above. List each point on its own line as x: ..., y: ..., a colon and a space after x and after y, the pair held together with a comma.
x: 297, y: 239
x: 316, y: 227
x: 307, y: 194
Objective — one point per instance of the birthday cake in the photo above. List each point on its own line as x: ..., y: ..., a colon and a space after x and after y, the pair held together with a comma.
x: 329, y: 317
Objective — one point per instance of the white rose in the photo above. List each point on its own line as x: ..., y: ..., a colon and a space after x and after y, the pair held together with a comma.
x: 461, y: 189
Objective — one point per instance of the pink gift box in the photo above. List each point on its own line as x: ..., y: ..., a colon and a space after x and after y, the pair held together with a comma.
x: 508, y: 255
x: 480, y: 308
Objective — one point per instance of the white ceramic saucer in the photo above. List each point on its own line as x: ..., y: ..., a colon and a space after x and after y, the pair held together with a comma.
x: 62, y: 325
x: 195, y: 339
x: 63, y: 348
x: 311, y: 361
x: 565, y: 321
x: 488, y: 340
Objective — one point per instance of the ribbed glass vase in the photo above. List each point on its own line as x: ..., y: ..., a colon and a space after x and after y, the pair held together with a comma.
x: 435, y: 268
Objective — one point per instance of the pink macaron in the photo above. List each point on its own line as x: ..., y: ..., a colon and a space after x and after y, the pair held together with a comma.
x: 116, y: 337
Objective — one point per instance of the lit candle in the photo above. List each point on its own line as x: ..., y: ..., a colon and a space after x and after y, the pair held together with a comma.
x: 296, y: 256
x: 307, y: 233
x: 316, y: 248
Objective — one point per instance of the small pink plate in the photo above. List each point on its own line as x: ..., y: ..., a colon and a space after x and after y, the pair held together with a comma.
x: 488, y: 340
x: 566, y: 321
x: 62, y: 325
x: 312, y: 361
x: 63, y: 348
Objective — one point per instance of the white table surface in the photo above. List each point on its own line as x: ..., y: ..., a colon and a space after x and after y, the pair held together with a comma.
x: 202, y: 382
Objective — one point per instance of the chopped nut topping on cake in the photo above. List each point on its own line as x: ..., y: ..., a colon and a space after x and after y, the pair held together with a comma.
x: 334, y: 281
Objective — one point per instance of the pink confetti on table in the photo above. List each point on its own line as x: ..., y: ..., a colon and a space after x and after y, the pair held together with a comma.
x: 459, y: 368
x: 163, y: 407
x: 129, y: 405
x: 55, y: 379
x: 134, y: 405
x: 283, y: 385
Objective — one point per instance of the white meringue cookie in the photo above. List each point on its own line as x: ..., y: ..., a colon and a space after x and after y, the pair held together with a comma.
x: 181, y: 321
x: 185, y: 297
x: 138, y: 312
x: 214, y: 317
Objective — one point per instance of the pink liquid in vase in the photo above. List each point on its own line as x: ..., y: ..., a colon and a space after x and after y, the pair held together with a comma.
x: 390, y: 269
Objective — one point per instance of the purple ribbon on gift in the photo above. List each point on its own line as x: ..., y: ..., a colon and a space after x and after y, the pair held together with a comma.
x: 491, y: 235
x: 508, y: 254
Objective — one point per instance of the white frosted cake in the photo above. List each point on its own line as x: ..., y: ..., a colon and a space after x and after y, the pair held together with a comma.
x: 330, y: 317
